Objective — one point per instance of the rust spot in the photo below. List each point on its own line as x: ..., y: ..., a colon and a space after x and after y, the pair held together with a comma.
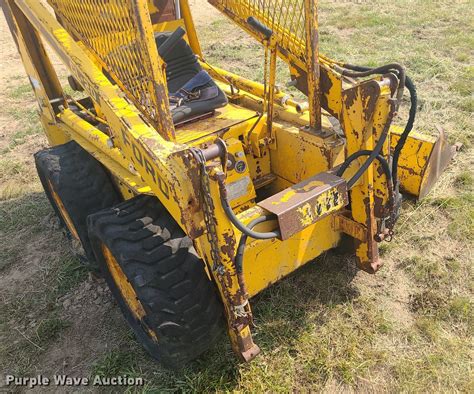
x: 229, y: 247
x: 379, y: 207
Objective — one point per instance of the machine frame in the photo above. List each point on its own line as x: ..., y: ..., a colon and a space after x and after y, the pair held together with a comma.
x: 286, y: 146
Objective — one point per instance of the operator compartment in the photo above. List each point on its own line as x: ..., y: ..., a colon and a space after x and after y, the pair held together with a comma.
x: 206, y: 105
x: 202, y: 112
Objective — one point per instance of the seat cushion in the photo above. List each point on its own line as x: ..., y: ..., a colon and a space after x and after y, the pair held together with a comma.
x: 181, y: 66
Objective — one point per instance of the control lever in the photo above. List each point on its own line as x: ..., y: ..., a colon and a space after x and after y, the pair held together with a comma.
x: 260, y: 27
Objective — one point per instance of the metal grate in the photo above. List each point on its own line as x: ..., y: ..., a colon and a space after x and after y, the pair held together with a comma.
x: 120, y: 35
x: 286, y: 18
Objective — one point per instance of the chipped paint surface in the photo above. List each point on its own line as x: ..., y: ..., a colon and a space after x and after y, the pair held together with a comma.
x: 307, y: 202
x: 293, y: 163
x: 421, y: 161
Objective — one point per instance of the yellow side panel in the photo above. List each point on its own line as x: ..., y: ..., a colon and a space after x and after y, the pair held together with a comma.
x: 304, y: 154
x: 413, y: 159
x: 265, y: 262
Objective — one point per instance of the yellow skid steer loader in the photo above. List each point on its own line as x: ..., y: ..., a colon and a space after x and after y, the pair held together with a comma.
x: 190, y: 188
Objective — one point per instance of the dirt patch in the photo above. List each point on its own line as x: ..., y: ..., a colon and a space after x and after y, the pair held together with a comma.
x: 203, y: 12
x: 92, y: 311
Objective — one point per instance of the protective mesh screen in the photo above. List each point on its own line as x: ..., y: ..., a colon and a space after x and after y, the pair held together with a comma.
x: 286, y: 18
x: 119, y: 33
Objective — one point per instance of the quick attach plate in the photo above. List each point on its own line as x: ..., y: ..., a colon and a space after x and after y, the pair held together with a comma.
x: 305, y: 203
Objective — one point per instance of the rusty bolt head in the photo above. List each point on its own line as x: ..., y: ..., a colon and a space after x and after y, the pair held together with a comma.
x: 132, y: 169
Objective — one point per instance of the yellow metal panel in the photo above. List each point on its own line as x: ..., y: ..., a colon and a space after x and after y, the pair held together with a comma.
x: 413, y: 159
x: 223, y: 119
x: 240, y: 189
x: 304, y: 154
x: 265, y: 262
x: 422, y: 160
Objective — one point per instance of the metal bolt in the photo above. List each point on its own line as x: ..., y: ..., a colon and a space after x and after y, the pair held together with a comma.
x: 132, y: 169
x: 110, y: 143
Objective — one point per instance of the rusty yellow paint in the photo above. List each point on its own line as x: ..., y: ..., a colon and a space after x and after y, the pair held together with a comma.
x: 291, y: 193
x: 142, y: 147
x: 308, y: 212
x: 304, y: 154
x: 231, y: 120
x: 225, y: 275
x: 63, y: 211
x: 312, y: 63
x: 367, y: 111
x: 125, y: 33
x: 145, y: 154
x: 266, y: 262
x: 238, y: 181
x: 414, y: 159
x: 286, y: 197
x: 55, y: 134
x: 126, y: 289
x: 38, y: 67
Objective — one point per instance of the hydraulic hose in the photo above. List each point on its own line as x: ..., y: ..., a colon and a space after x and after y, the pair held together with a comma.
x: 411, y: 117
x: 356, y: 155
x: 214, y: 151
x: 237, y: 223
x: 352, y: 71
x: 372, y: 155
x: 408, y: 128
x: 239, y: 258
x: 385, y: 167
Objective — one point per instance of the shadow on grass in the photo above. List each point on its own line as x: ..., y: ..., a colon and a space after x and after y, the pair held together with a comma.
x: 283, y: 314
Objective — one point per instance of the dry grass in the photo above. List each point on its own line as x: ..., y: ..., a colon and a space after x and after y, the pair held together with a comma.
x: 326, y: 328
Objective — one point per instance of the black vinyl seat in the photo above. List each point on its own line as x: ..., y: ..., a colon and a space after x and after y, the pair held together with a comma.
x: 181, y: 67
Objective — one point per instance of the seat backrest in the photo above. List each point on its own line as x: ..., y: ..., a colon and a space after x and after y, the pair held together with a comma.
x: 181, y: 62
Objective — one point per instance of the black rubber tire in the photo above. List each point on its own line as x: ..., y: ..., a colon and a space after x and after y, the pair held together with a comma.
x: 81, y: 183
x: 181, y: 303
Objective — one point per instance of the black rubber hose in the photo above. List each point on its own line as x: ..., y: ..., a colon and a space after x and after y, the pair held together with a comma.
x: 352, y: 71
x: 356, y: 155
x: 239, y: 258
x: 373, y: 154
x: 385, y: 167
x: 411, y: 117
x: 408, y: 128
x: 240, y: 226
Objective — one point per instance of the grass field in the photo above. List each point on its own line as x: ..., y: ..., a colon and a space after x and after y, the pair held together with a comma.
x: 328, y: 327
